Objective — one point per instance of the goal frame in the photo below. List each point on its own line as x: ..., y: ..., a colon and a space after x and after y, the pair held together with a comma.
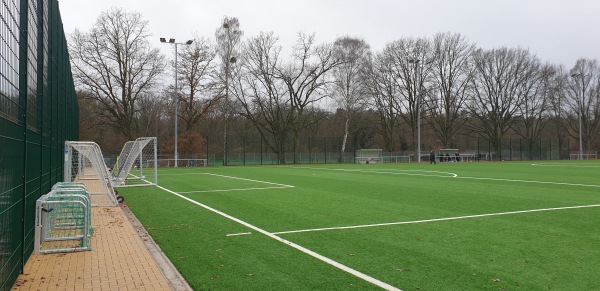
x: 583, y: 156
x: 137, y: 164
x: 84, y: 163
x: 368, y: 156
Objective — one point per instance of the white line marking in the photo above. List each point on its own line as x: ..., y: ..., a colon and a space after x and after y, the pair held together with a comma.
x: 289, y: 243
x: 453, y: 175
x: 436, y: 219
x: 183, y: 174
x: 527, y: 181
x: 277, y: 185
x: 244, y: 179
x: 566, y: 165
x: 241, y: 233
x: 230, y: 190
x: 385, y: 171
x: 236, y: 234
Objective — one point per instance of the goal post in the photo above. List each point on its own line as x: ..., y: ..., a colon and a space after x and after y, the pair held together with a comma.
x: 369, y: 156
x: 137, y: 163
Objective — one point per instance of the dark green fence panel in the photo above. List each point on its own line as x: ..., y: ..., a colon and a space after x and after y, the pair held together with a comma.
x: 38, y: 112
x: 253, y: 150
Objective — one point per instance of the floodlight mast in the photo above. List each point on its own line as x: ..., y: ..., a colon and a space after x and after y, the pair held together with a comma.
x: 418, y: 91
x: 172, y: 41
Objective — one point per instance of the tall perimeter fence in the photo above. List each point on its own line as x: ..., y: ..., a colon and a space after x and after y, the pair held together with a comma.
x: 38, y: 112
x: 327, y: 150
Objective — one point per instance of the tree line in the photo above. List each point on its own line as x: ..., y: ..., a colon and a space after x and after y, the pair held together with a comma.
x: 442, y: 88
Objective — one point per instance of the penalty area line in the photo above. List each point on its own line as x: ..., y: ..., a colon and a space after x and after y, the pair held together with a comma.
x: 240, y: 189
x: 250, y: 180
x: 435, y: 219
x: 313, y: 254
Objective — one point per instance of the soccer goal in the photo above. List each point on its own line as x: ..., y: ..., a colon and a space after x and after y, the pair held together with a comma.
x: 369, y: 156
x: 63, y: 220
x: 583, y: 156
x: 137, y: 163
x: 84, y: 164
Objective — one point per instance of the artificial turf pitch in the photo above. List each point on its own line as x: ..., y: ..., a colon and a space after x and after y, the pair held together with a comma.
x: 450, y: 226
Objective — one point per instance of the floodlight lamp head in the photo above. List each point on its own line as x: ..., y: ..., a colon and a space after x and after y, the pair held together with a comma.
x: 189, y: 41
x: 162, y: 39
x: 172, y: 40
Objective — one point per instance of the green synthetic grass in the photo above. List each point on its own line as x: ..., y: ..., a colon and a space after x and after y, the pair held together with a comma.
x: 522, y: 251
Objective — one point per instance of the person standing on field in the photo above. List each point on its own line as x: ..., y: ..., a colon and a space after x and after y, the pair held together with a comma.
x: 432, y: 158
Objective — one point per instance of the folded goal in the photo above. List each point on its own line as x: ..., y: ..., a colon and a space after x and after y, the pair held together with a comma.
x: 137, y: 164
x: 84, y: 163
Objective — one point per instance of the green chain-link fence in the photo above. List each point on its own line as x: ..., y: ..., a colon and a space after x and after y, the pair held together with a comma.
x: 252, y: 150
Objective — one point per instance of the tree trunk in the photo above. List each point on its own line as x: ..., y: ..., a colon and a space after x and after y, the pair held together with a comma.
x: 346, y: 129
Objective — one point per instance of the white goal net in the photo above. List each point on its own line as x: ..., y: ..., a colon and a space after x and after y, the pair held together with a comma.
x: 137, y: 164
x: 583, y: 156
x: 369, y: 156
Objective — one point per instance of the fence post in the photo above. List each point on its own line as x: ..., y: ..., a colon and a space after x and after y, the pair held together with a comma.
x: 478, y: 151
x: 309, y: 155
x: 540, y: 148
x: 206, y: 148
x: 325, y: 148
x: 510, y: 153
x: 340, y: 150
x: 520, y: 149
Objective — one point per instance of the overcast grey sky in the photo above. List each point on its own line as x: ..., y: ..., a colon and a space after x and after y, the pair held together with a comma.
x: 558, y: 31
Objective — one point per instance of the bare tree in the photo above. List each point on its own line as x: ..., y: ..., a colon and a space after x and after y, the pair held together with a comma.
x: 228, y: 36
x: 451, y: 76
x: 150, y: 114
x: 305, y: 77
x: 584, y: 99
x: 533, y: 114
x: 379, y: 79
x: 410, y: 63
x: 115, y: 63
x: 349, y: 89
x: 195, y: 71
x: 557, y: 93
x: 499, y: 76
x: 263, y: 96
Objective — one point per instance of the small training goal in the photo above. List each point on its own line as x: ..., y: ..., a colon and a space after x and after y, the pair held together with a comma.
x: 63, y: 219
x: 369, y: 156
